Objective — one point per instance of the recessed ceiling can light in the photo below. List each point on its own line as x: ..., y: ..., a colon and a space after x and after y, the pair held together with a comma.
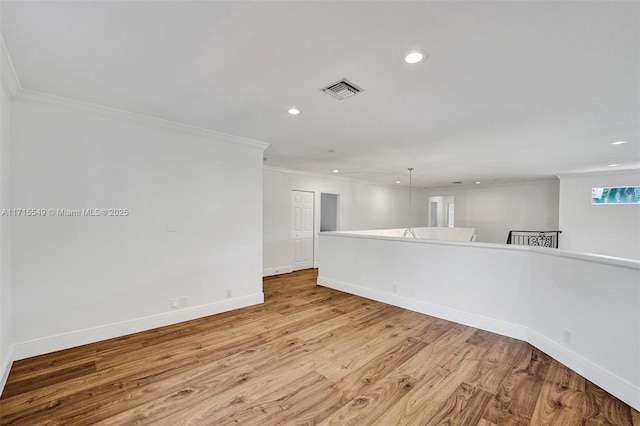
x: 336, y: 171
x: 415, y: 56
x: 294, y: 111
x: 613, y: 165
x: 477, y: 182
x: 397, y: 181
x: 619, y: 143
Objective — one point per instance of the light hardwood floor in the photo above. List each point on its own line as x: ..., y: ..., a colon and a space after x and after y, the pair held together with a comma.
x: 308, y: 355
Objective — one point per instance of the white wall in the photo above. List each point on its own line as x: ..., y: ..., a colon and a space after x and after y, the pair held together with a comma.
x: 598, y: 303
x: 6, y: 339
x: 612, y: 230
x: 80, y: 279
x: 495, y: 209
x: 529, y: 293
x: 362, y: 206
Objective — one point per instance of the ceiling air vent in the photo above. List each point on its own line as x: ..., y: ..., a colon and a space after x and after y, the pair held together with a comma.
x: 342, y: 89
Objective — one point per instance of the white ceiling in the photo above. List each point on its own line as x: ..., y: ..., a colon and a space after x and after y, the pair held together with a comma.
x: 510, y: 91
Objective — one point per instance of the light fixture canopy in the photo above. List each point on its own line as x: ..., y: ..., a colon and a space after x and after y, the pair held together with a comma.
x: 619, y: 142
x: 294, y: 111
x: 336, y: 171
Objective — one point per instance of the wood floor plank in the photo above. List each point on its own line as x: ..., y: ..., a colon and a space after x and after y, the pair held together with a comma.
x: 369, y: 343
x: 441, y: 377
x: 378, y: 367
x: 519, y: 392
x: 561, y: 399
x: 51, y: 377
x: 312, y: 397
x: 373, y: 403
x: 494, y: 367
x: 182, y: 395
x: 463, y: 407
x: 81, y: 396
x: 308, y: 355
x: 602, y: 409
x: 256, y: 401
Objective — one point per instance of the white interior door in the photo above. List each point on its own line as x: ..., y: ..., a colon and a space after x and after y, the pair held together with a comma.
x: 302, y: 223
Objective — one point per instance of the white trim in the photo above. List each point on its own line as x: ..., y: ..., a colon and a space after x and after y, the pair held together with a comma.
x: 473, y: 320
x: 104, y: 332
x: 35, y: 96
x: 620, y: 262
x: 607, y: 380
x: 5, y: 368
x: 587, y: 257
x: 471, y: 184
x: 617, y: 171
x: 8, y: 77
x: 277, y: 270
x: 333, y: 176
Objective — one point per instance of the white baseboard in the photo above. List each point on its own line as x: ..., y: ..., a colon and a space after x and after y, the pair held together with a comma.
x: 607, y: 380
x: 277, y: 270
x: 82, y: 337
x: 5, y: 368
x: 449, y: 314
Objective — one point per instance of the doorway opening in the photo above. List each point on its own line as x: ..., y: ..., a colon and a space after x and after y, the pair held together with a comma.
x: 442, y: 211
x: 328, y: 212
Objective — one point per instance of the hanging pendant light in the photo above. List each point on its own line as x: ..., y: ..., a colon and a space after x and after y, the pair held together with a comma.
x: 409, y: 232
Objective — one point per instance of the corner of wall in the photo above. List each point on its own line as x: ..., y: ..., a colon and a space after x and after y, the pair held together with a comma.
x: 8, y: 77
x: 5, y: 368
x: 8, y: 87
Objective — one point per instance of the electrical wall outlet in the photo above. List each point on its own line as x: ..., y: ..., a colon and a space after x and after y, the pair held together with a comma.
x: 183, y: 301
x: 175, y: 303
x: 394, y: 288
x: 228, y: 294
x: 566, y: 337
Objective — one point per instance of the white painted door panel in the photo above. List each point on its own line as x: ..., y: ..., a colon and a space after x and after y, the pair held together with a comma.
x: 302, y: 205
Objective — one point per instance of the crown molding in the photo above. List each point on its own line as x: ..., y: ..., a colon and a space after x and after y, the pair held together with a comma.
x: 11, y: 85
x: 26, y: 95
x: 495, y: 184
x: 8, y: 77
x: 617, y: 172
x: 335, y: 176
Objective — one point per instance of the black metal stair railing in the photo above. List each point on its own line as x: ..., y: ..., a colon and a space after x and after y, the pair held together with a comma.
x: 534, y: 238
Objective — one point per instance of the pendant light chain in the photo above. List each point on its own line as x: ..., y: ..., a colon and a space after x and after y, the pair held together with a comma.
x: 409, y: 231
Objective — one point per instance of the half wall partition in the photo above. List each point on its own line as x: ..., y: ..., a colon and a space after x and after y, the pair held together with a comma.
x: 582, y: 309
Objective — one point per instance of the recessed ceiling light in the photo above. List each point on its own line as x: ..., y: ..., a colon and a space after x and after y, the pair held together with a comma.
x: 619, y: 143
x: 294, y: 111
x: 397, y: 181
x: 332, y: 151
x: 415, y: 56
x: 478, y: 182
x: 336, y: 171
x: 613, y: 165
